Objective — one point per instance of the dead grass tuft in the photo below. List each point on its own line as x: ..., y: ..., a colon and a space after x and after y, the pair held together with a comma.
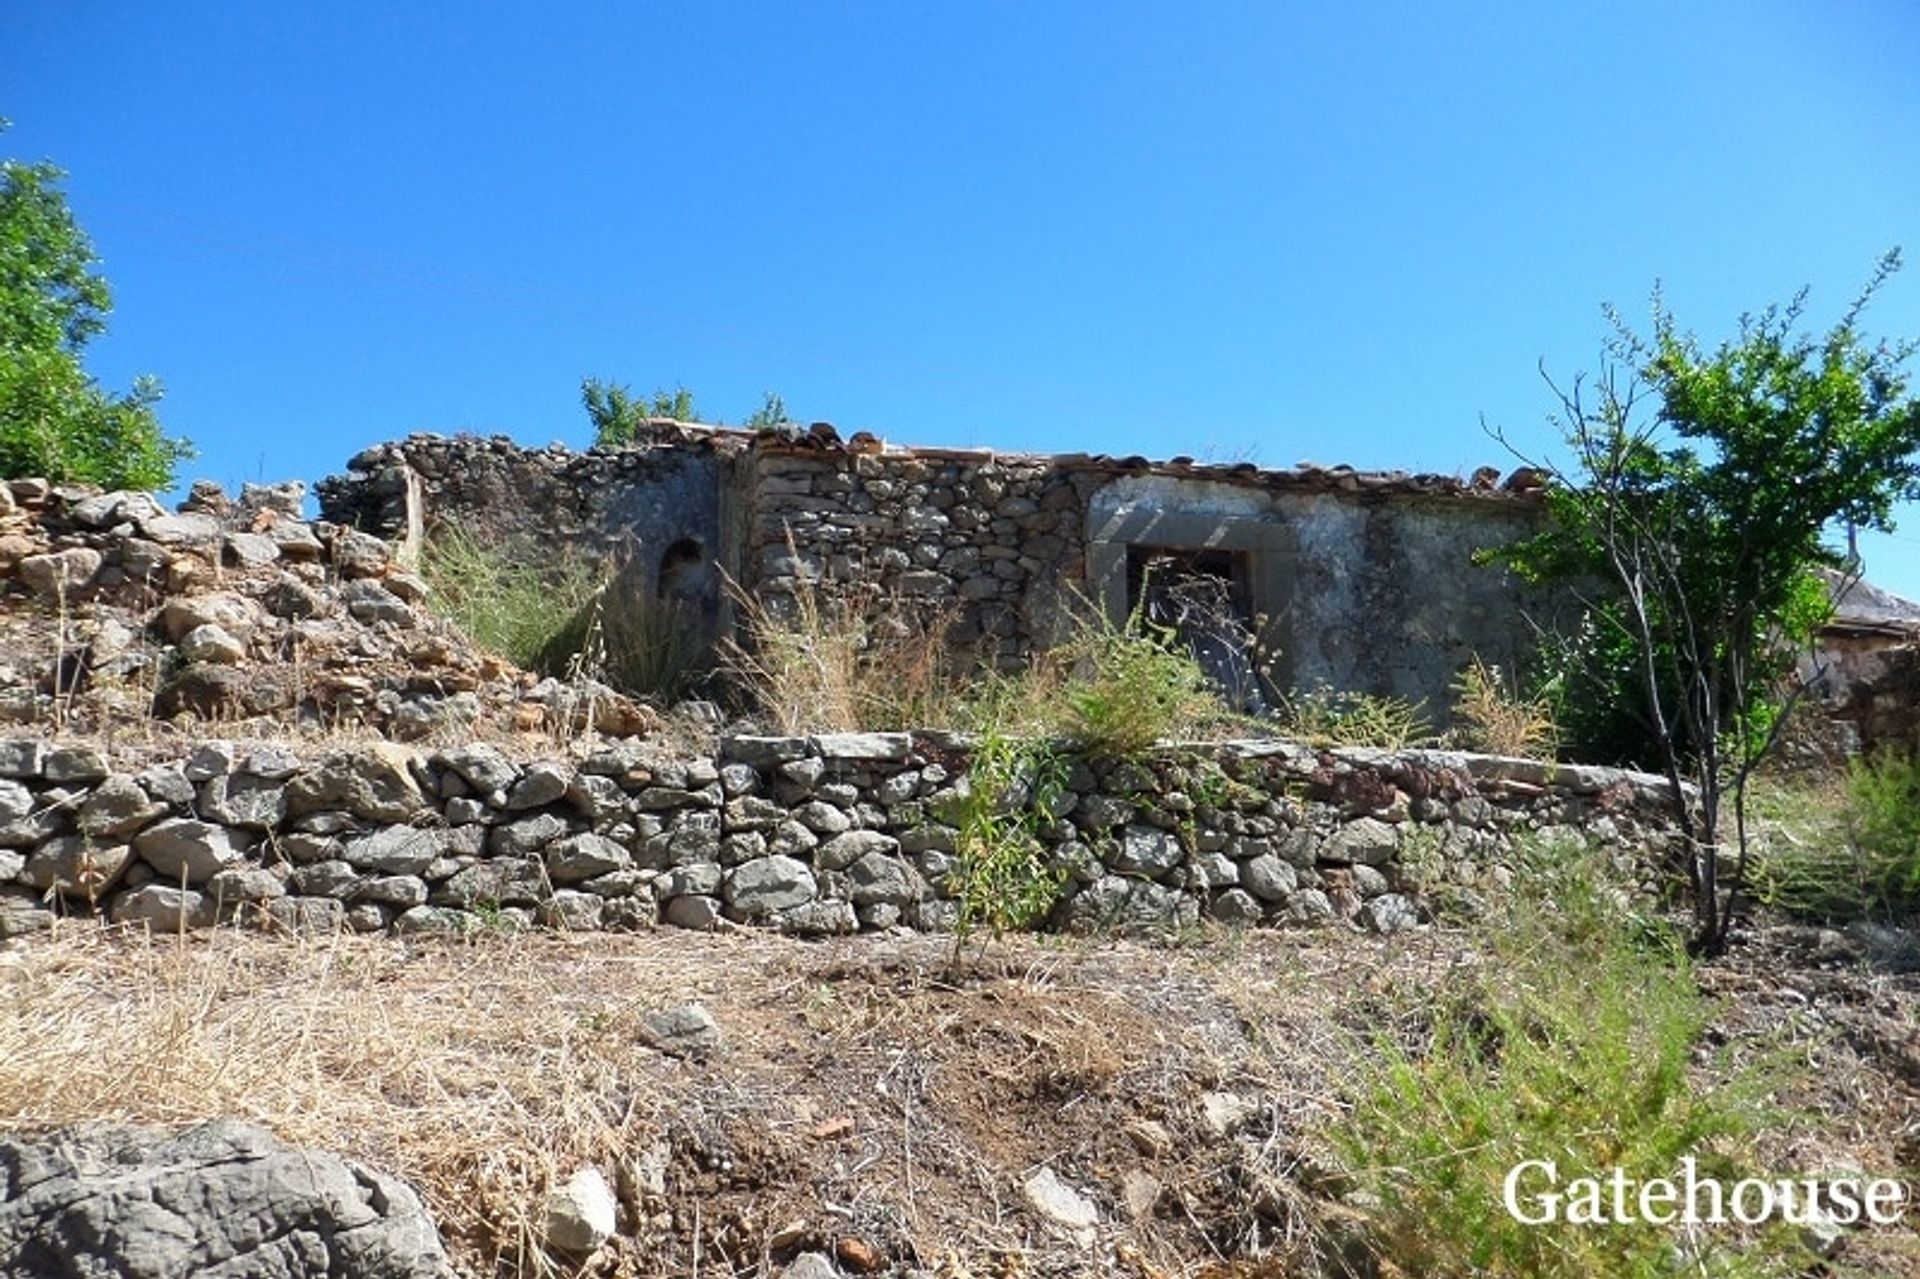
x: 1491, y: 714
x: 815, y: 661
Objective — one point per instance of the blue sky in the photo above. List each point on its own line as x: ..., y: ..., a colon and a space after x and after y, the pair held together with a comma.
x: 1268, y: 231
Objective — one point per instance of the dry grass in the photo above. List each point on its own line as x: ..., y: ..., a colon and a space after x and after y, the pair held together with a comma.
x: 426, y: 1062
x: 867, y: 1089
x: 846, y: 661
x: 486, y: 1072
x: 1491, y: 714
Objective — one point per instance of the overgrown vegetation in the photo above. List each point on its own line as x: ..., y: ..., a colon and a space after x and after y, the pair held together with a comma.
x: 771, y: 413
x: 636, y: 642
x: 511, y: 605
x: 849, y: 660
x: 1492, y: 714
x: 1000, y: 878
x: 1328, y: 718
x: 1836, y: 853
x: 618, y: 414
x: 1129, y: 686
x: 1574, y: 1041
x: 55, y: 421
x: 814, y: 662
x: 567, y: 615
x: 1701, y: 488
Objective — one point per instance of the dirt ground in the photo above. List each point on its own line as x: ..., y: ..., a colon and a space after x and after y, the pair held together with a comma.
x: 871, y: 1098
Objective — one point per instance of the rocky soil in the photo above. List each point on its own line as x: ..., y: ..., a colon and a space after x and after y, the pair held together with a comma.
x: 751, y: 1104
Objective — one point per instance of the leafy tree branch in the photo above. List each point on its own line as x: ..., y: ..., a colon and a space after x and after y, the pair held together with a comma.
x: 1692, y: 521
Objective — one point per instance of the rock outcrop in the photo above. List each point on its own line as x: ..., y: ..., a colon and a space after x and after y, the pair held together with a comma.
x: 224, y: 1200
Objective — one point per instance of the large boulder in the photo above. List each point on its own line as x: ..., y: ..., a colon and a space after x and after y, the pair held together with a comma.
x: 219, y: 1201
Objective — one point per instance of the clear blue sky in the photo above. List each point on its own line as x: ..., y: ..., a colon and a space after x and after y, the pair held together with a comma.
x: 1261, y: 231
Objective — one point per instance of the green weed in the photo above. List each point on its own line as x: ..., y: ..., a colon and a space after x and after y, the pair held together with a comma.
x: 1837, y: 854
x: 1324, y: 717
x: 1574, y: 1042
x: 1130, y: 686
x: 1001, y: 878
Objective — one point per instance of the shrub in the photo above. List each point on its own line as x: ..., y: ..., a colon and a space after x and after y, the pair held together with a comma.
x: 619, y: 416
x: 1572, y: 1043
x: 1844, y: 855
x: 657, y: 648
x: 568, y: 616
x: 1000, y: 877
x: 1130, y: 686
x: 1491, y: 714
x: 1885, y: 821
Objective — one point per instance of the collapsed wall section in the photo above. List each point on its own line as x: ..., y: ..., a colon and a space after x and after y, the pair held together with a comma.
x: 664, y: 512
x: 810, y: 835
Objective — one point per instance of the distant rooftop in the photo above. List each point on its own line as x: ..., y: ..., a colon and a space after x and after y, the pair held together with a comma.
x: 1865, y: 607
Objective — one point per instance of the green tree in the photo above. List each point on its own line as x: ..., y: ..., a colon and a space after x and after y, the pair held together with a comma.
x: 55, y: 421
x: 618, y: 414
x: 771, y: 413
x: 1702, y: 489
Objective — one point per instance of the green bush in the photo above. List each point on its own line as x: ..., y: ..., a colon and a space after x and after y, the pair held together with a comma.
x: 1885, y: 821
x: 1573, y: 1042
x: 1840, y: 857
x: 55, y: 421
x: 1001, y: 879
x: 1130, y: 686
x: 618, y: 415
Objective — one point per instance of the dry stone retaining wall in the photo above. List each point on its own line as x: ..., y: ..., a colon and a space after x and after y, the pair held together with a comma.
x: 811, y: 835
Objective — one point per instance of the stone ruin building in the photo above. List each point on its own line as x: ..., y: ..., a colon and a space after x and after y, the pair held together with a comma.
x: 1346, y: 580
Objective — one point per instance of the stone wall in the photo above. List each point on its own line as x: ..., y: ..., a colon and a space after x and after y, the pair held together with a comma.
x: 1871, y: 690
x: 1360, y: 582
x: 812, y: 835
x: 602, y: 502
